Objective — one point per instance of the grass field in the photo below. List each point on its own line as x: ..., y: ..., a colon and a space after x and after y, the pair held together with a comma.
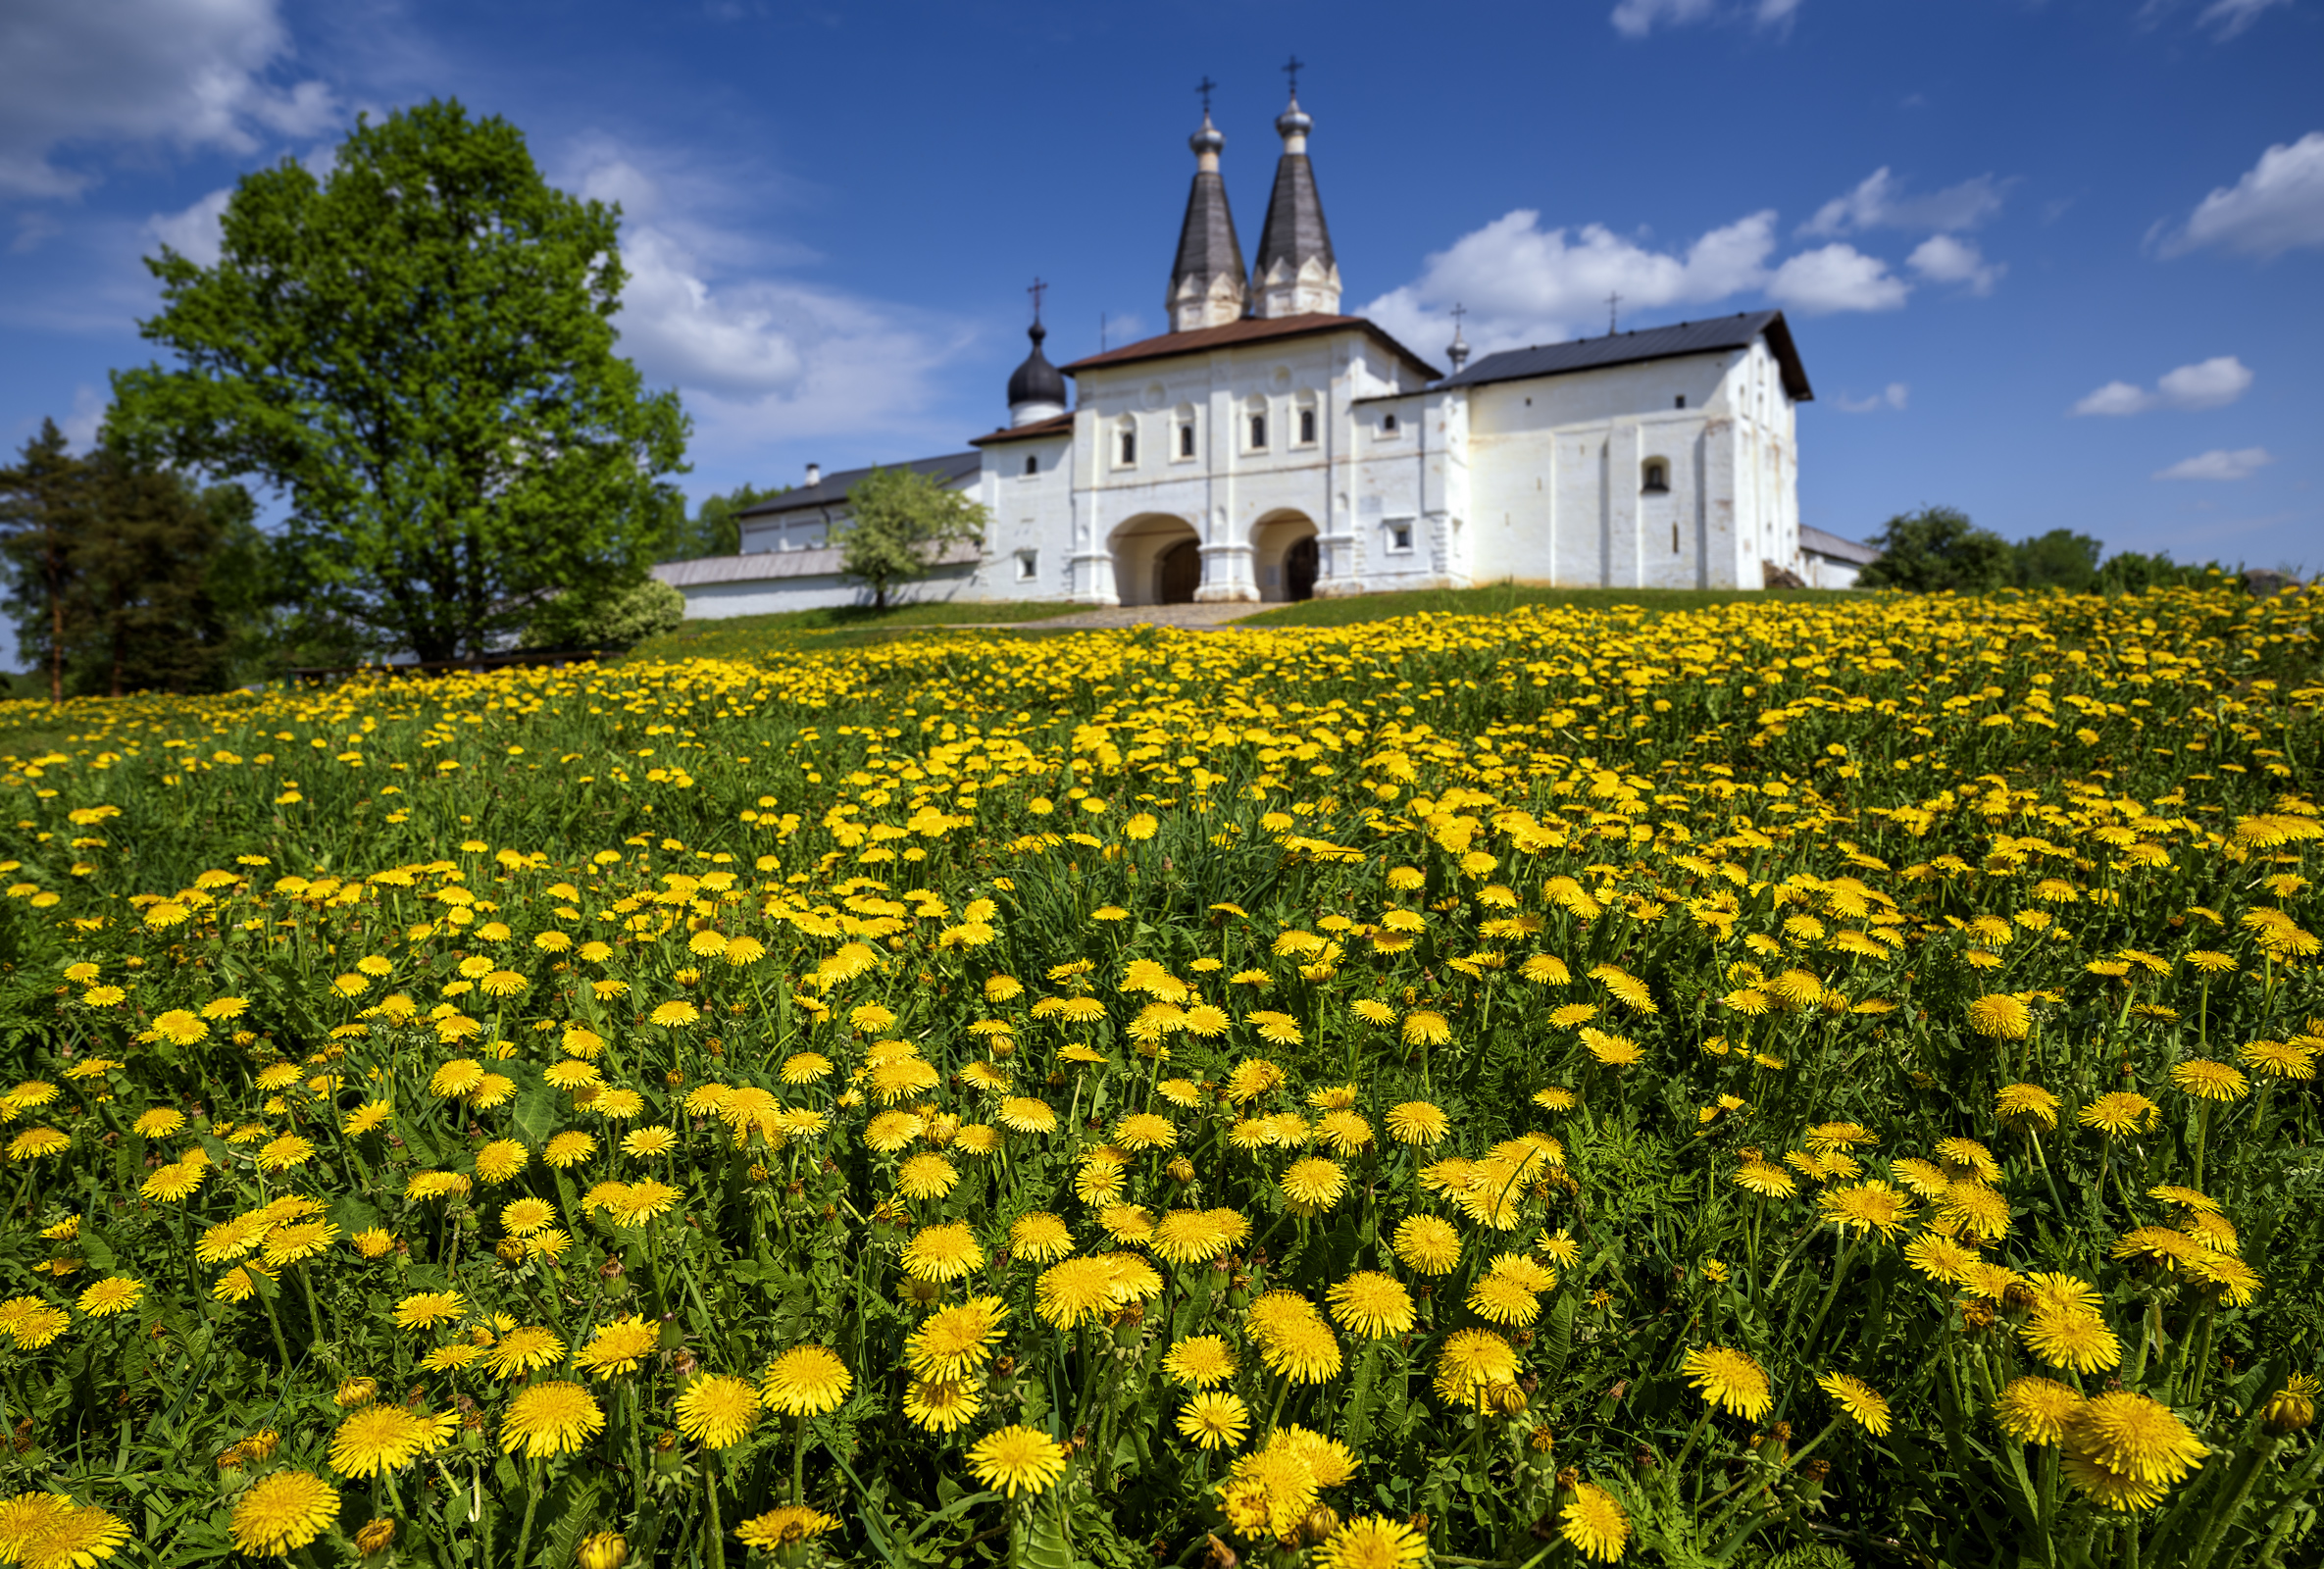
x: 749, y: 636
x: 1498, y: 599
x: 1784, y: 1083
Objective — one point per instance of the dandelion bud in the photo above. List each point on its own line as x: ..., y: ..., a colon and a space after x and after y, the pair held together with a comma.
x: 375, y: 1536
x: 1978, y: 1315
x: 510, y: 1251
x: 355, y: 1393
x: 2292, y: 1408
x: 1003, y: 1365
x: 1318, y: 1525
x: 1182, y: 1170
x: 2018, y: 1297
x: 1506, y: 1399
x: 1540, y: 1440
x: 603, y: 1549
x: 611, y: 1269
x: 683, y: 1363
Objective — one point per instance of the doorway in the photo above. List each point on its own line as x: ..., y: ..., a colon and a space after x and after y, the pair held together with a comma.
x: 1298, y: 569
x: 1177, y: 573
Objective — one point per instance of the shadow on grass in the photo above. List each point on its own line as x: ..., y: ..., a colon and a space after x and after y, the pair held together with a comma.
x: 1498, y: 599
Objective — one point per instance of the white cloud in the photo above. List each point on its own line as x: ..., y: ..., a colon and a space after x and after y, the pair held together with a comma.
x: 1636, y: 19
x: 2227, y: 17
x: 760, y: 358
x: 1523, y: 283
x: 2224, y: 18
x: 1892, y: 397
x: 1944, y: 259
x: 193, y: 233
x: 187, y: 72
x: 1880, y: 201
x: 2209, y: 384
x: 81, y: 426
x: 1836, y: 277
x: 2219, y: 464
x: 2277, y: 206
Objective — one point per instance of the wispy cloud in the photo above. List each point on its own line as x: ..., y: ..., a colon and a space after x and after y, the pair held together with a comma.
x: 2219, y: 464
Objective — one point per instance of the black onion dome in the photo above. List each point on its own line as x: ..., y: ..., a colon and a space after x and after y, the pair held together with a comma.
x: 1036, y: 381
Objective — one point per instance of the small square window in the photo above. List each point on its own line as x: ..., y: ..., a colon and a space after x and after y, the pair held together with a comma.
x: 1028, y: 565
x: 1400, y: 537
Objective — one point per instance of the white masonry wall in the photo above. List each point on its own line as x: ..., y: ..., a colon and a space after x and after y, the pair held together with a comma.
x: 1560, y: 462
x: 1245, y: 505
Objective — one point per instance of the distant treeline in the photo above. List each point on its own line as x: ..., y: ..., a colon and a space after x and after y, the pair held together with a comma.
x: 1937, y: 549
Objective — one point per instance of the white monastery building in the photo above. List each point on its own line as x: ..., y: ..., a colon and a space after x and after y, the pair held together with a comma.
x: 1268, y: 447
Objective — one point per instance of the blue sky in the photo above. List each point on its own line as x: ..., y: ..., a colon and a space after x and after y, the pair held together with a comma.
x: 2057, y: 263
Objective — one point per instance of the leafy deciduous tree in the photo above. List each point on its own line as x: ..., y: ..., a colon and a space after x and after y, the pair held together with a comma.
x: 1935, y: 549
x: 901, y: 523
x: 418, y: 351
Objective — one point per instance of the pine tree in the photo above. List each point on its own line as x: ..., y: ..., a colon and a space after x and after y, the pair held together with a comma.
x: 39, y: 498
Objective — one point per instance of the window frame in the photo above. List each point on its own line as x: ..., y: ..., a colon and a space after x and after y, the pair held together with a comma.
x: 1654, y: 476
x: 1028, y: 565
x: 1400, y: 537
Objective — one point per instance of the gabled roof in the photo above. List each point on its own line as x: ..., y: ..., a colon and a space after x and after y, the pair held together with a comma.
x: 950, y: 469
x: 1055, y: 426
x: 1251, y: 329
x: 1838, y: 549
x: 1719, y: 335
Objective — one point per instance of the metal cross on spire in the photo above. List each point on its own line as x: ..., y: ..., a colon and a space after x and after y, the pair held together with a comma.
x: 1458, y: 311
x: 1206, y: 88
x: 1613, y: 312
x: 1037, y: 289
x: 1291, y: 68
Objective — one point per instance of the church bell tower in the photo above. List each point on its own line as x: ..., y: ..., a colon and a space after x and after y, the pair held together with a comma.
x: 1209, y: 287
x: 1297, y: 274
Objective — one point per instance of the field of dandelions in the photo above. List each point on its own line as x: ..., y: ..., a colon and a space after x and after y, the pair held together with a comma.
x: 1761, y: 1084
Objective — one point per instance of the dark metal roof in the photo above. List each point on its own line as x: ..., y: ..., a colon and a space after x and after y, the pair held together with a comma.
x: 767, y: 566
x: 1250, y: 330
x: 1055, y: 426
x: 1718, y: 335
x: 1036, y: 381
x: 1294, y: 231
x: 950, y: 469
x: 1206, y: 244
x: 1831, y: 545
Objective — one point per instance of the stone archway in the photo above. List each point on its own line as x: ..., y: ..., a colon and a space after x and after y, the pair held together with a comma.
x: 1285, y: 556
x: 1158, y: 560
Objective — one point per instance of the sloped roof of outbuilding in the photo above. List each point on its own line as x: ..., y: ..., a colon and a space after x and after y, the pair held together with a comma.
x: 950, y: 469
x: 1715, y: 336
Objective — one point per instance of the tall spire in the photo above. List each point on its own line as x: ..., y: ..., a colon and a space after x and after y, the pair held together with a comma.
x: 1208, y: 286
x: 1296, y: 273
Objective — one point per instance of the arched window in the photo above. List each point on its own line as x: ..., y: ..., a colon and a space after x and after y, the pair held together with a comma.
x: 1387, y: 423
x: 1186, y: 441
x: 1304, y: 421
x: 1183, y: 420
x: 1033, y: 464
x: 1254, y: 423
x: 1125, y: 444
x: 1654, y: 476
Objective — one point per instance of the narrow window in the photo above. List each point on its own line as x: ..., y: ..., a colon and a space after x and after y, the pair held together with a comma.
x: 1682, y: 403
x: 1654, y: 480
x: 1308, y: 428
x: 1028, y: 565
x: 1186, y: 441
x: 1388, y: 423
x: 1033, y: 464
x: 1128, y: 449
x: 1674, y: 538
x: 1258, y: 433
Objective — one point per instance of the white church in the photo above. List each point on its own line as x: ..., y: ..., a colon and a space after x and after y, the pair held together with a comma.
x: 1268, y: 447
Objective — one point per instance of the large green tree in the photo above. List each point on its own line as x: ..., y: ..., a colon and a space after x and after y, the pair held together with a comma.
x: 1937, y: 548
x: 417, y: 352
x: 901, y: 523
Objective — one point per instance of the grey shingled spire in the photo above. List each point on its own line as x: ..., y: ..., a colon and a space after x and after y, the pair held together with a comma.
x: 1296, y: 273
x: 1209, y: 287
